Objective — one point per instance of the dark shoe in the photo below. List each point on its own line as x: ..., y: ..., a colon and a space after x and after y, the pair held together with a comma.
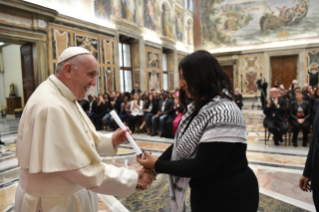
x: 2, y: 143
x: 304, y: 144
x: 294, y: 143
x: 280, y: 139
x: 154, y: 134
x: 276, y: 141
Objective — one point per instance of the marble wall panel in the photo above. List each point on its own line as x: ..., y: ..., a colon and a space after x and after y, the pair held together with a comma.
x: 108, y: 50
x: 250, y: 69
x: 136, y: 55
x: 153, y: 64
x: 60, y: 41
x: 108, y: 74
x: 312, y: 67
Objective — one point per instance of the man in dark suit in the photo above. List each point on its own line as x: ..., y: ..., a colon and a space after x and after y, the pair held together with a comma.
x: 262, y: 85
x: 275, y: 111
x: 164, y: 106
x: 238, y: 98
x: 136, y: 89
x: 91, y: 106
x: 311, y: 171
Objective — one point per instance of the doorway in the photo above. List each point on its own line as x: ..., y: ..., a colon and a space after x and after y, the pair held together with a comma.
x: 230, y: 73
x: 283, y: 70
x: 17, y: 74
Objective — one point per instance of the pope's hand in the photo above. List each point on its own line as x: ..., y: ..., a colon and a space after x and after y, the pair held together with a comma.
x: 145, y: 178
x: 148, y: 161
x: 119, y: 136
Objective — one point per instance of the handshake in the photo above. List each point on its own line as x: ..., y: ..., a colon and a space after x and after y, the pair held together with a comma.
x: 147, y: 174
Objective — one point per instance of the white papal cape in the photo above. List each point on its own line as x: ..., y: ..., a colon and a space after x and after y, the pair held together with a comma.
x: 59, y: 150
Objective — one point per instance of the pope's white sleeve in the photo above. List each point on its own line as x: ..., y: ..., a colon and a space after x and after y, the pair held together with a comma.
x: 104, y: 179
x: 104, y: 145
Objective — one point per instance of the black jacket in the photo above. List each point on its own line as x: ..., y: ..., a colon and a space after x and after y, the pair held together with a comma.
x: 154, y: 106
x: 294, y: 110
x: 93, y: 106
x: 312, y: 164
x: 168, y: 106
x: 274, y: 113
x: 238, y: 97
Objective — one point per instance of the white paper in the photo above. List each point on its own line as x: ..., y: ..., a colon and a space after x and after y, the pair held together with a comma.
x: 128, y: 135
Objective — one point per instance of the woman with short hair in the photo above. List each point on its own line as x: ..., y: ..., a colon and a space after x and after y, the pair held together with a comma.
x: 209, y: 150
x: 299, y: 118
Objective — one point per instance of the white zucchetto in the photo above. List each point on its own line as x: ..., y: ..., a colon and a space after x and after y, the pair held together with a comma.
x: 71, y: 52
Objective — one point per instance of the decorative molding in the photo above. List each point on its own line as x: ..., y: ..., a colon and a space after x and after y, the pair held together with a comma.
x: 71, y: 22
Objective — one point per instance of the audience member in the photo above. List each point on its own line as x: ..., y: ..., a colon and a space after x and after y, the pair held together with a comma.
x: 92, y: 105
x: 164, y: 106
x: 108, y: 119
x: 99, y: 112
x: 136, y: 111
x: 238, y: 98
x: 174, y: 113
x: 125, y: 108
x: 84, y: 104
x: 136, y: 89
x: 299, y: 118
x: 149, y: 111
x: 285, y: 96
x: 118, y: 101
x: 106, y: 97
x: 275, y: 111
x: 262, y: 85
x: 315, y: 103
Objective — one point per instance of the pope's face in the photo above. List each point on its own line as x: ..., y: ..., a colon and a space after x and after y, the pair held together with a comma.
x: 84, y: 75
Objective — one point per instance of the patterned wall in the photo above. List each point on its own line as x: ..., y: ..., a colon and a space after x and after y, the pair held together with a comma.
x: 153, y: 64
x: 102, y: 47
x: 312, y: 67
x: 250, y: 69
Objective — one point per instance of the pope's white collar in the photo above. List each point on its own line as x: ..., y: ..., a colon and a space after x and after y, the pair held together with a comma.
x: 60, y: 83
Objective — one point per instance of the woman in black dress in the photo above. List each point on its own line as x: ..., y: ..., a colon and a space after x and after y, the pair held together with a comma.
x: 99, y: 112
x: 209, y: 151
x: 299, y: 118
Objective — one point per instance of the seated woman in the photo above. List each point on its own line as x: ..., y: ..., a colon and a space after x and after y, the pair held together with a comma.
x: 209, y: 150
x: 149, y: 111
x: 299, y: 118
x: 174, y: 116
x: 136, y: 111
x: 99, y: 112
x: 125, y: 108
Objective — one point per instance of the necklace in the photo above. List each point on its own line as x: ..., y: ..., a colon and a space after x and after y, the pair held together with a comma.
x: 78, y: 111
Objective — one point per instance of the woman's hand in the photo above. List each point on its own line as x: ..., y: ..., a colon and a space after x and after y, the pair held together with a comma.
x: 304, y: 184
x: 148, y: 161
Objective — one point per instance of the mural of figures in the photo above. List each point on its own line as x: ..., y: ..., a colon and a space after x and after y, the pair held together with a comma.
x: 154, y: 81
x: 190, y: 38
x: 150, y: 12
x: 91, y: 44
x: 128, y: 10
x: 153, y: 60
x: 103, y: 9
x: 313, y: 69
x: 166, y: 21
x: 241, y: 22
x: 179, y: 22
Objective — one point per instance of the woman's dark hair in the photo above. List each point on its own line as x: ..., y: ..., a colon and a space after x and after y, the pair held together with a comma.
x: 315, y: 96
x: 205, y: 79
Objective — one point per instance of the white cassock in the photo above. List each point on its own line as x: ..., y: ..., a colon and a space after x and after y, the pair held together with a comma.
x: 58, y: 150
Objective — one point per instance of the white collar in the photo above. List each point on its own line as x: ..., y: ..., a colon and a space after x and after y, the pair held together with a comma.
x: 61, y: 83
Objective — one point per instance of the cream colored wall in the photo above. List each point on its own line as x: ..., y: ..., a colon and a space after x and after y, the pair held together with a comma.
x: 12, y: 70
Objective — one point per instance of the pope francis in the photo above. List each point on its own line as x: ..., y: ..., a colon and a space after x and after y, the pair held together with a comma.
x: 59, y: 150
